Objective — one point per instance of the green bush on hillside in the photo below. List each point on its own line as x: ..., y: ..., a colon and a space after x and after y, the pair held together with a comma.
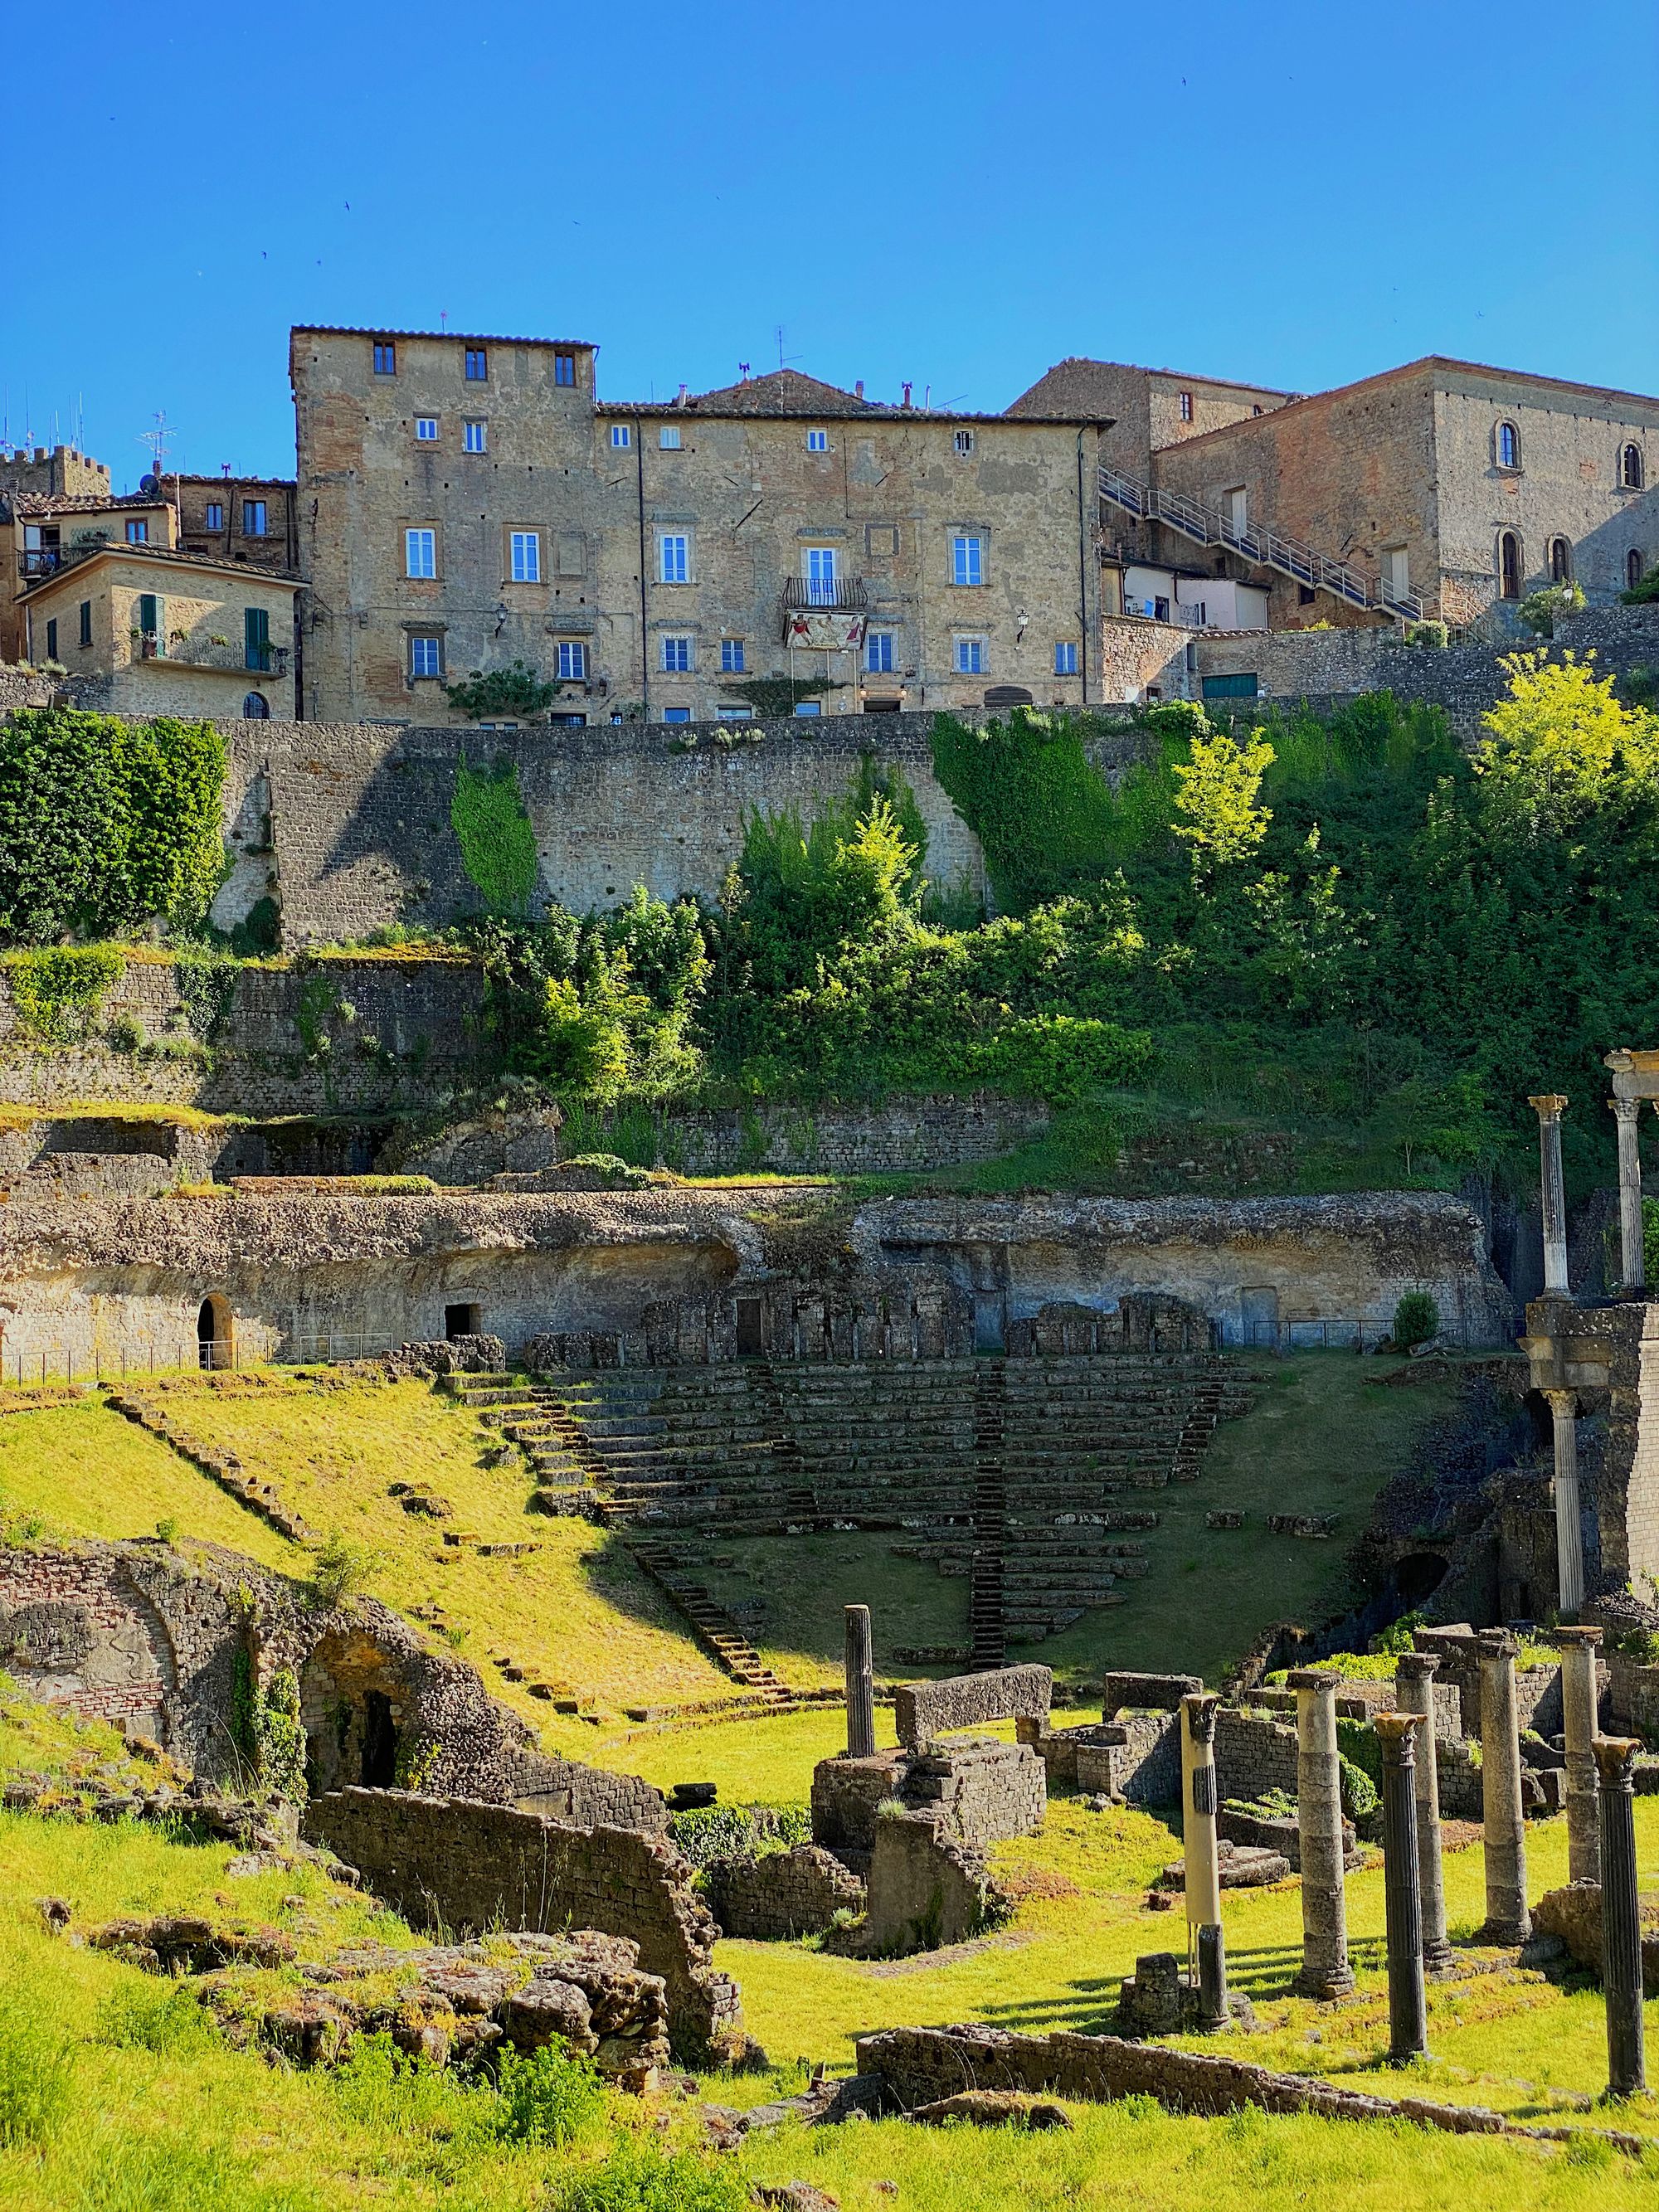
x: 1416, y: 1319
x: 106, y: 825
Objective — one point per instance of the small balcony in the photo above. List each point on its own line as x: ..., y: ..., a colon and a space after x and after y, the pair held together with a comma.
x: 204, y: 653
x: 830, y: 595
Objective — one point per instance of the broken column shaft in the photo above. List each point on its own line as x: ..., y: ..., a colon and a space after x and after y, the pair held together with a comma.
x: 1203, y: 1875
x: 1507, y: 1920
x: 1414, y: 1674
x: 1408, y: 2011
x: 1552, y: 1190
x: 1326, y: 1971
x: 1569, y: 1534
x: 861, y: 1685
x: 1621, y: 1922
x: 1579, y: 1699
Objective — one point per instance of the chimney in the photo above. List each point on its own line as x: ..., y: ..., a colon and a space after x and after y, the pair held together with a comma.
x: 680, y: 402
x: 858, y: 389
x: 907, y: 395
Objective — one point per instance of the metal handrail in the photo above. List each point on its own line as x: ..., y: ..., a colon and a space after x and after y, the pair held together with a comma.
x: 845, y: 595
x: 1206, y: 525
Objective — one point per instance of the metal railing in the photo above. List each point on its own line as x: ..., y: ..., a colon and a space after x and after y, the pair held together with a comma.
x: 1207, y: 526
x: 829, y: 595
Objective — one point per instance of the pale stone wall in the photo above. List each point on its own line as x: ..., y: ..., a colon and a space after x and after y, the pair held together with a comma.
x: 741, y: 485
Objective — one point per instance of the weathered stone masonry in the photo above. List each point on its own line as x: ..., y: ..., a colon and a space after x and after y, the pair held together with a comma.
x: 475, y: 1866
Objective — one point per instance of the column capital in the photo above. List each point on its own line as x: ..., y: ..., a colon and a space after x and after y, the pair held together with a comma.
x: 1398, y: 1733
x: 1199, y: 1705
x: 1574, y: 1638
x: 1416, y: 1666
x: 1549, y: 1105
x: 1615, y: 1759
x: 1561, y: 1401
x: 1627, y: 1109
x: 1320, y: 1680
x: 1497, y: 1644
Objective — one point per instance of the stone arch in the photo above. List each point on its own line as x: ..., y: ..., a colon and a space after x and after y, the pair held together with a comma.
x: 1510, y: 571
x: 1633, y: 475
x: 353, y: 1707
x: 1417, y: 1576
x: 216, y: 1332
x: 256, y: 708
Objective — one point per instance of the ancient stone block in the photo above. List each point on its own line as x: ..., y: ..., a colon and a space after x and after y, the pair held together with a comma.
x: 922, y: 1711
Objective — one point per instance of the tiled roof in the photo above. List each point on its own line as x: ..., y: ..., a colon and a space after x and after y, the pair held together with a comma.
x: 1073, y: 387
x: 166, y: 557
x: 460, y: 337
x: 46, y: 503
x: 785, y: 395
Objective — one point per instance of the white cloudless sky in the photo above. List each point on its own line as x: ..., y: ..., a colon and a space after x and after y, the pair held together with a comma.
x: 1294, y: 195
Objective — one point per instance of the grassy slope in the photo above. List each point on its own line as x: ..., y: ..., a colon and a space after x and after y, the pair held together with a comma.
x: 163, y: 2118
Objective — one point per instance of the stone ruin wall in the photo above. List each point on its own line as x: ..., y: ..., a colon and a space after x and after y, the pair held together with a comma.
x: 473, y: 1868
x: 90, y: 1285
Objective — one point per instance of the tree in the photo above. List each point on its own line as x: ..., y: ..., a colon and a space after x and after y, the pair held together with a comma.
x: 1559, y: 740
x: 1216, y: 793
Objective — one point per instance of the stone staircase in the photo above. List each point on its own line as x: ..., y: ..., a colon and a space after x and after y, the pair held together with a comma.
x: 714, y: 1627
x: 1207, y: 526
x: 536, y: 1419
x: 1027, y: 1477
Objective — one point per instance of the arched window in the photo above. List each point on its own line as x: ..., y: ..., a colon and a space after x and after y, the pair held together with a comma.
x: 1560, y: 561
x: 1508, y: 565
x: 1631, y: 473
x: 1633, y: 570
x: 1509, y: 445
x: 256, y: 708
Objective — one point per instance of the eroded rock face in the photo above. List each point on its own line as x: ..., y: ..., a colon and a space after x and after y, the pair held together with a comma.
x: 581, y: 1990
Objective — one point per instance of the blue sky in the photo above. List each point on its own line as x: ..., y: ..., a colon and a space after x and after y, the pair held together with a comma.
x: 1295, y: 196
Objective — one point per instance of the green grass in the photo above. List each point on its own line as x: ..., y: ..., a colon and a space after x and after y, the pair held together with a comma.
x: 160, y: 2117
x: 577, y: 1607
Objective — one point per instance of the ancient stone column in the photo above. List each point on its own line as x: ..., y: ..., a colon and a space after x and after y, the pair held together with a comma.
x: 1203, y: 1877
x: 1621, y: 1920
x: 1326, y: 1971
x: 1507, y: 1918
x: 1414, y: 1673
x: 1569, y: 1534
x: 861, y: 1685
x: 1579, y: 1698
x: 1631, y: 1270
x: 1409, y: 2010
x: 1552, y: 1187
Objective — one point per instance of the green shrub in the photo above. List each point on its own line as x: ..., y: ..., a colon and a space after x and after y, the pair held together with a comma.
x: 1398, y: 1636
x: 341, y: 1569
x: 36, y: 2078
x: 1644, y: 590
x: 515, y: 691
x: 548, y: 2096
x: 641, y: 2176
x: 57, y: 989
x: 1416, y: 1319
x: 498, y: 845
x: 707, y: 1833
x: 1434, y: 635
x: 1358, y: 1791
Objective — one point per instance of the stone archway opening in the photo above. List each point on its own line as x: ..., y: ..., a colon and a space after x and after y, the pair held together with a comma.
x: 1417, y: 1576
x: 352, y: 1710
x: 216, y: 1343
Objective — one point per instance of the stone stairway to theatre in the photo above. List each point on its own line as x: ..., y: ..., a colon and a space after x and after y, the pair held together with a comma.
x: 535, y: 1417
x: 987, y: 1631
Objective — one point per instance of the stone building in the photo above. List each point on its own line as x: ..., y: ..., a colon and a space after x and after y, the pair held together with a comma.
x: 1444, y: 481
x: 1147, y: 408
x: 42, y: 529
x: 151, y: 630
x: 468, y: 502
x: 247, y: 521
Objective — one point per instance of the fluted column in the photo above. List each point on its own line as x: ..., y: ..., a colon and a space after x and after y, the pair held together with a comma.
x: 1203, y: 1876
x: 1621, y: 1923
x: 1569, y: 1533
x: 1508, y: 1920
x: 1549, y: 1108
x: 1409, y: 2008
x: 1326, y: 1971
x: 861, y: 1685
x: 1579, y: 1699
x: 1414, y: 1673
x: 1631, y: 1270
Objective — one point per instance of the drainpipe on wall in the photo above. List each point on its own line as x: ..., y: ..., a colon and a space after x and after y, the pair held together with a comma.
x: 645, y: 641
x: 1082, y: 574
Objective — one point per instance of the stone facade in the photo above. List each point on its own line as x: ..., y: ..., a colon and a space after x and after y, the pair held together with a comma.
x: 1149, y: 408
x: 475, y: 1866
x: 1414, y: 464
x: 637, y: 554
x: 927, y: 1888
x: 983, y: 1790
x: 782, y: 1894
x: 923, y: 1711
x: 249, y: 520
x: 148, y: 630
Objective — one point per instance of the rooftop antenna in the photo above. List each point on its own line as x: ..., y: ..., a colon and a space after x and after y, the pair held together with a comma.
x: 158, y: 440
x: 743, y: 371
x: 443, y: 318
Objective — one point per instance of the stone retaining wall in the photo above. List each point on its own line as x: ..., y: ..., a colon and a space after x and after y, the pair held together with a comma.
x: 781, y: 1893
x: 477, y: 1867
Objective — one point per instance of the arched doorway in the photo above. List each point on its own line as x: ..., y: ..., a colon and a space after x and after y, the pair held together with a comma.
x: 379, y: 1759
x: 256, y: 708
x: 1508, y: 565
x: 215, y: 1340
